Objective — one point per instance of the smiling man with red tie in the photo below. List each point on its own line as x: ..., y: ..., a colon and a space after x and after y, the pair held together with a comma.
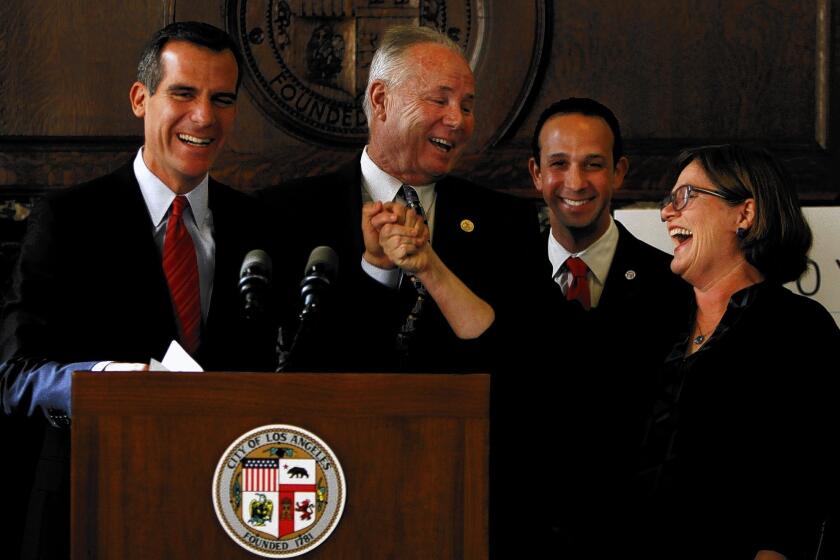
x: 112, y: 271
x: 613, y: 341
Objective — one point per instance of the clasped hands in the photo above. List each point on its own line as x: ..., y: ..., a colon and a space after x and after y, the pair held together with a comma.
x: 395, y: 236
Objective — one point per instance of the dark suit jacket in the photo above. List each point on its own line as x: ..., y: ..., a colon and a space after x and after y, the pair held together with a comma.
x: 598, y: 389
x: 499, y: 260
x: 492, y: 260
x: 641, y: 304
x: 89, y: 286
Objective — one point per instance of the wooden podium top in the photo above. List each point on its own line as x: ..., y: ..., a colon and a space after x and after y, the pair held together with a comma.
x: 462, y: 396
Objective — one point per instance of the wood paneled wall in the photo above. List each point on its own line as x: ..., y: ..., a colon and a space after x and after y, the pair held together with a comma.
x: 676, y: 72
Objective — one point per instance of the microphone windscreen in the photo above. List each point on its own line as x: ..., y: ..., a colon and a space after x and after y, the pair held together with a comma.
x: 325, y: 258
x: 259, y: 261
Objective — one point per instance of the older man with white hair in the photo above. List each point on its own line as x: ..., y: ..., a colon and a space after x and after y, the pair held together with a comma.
x: 429, y: 263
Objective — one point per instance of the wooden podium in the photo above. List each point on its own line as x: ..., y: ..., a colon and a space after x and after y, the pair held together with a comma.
x: 414, y: 449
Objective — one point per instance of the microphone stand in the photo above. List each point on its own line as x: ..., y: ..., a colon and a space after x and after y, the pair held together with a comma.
x: 319, y: 275
x: 307, y: 319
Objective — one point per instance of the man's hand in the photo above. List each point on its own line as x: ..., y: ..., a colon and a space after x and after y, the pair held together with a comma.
x: 406, y: 242
x: 126, y: 366
x: 374, y: 213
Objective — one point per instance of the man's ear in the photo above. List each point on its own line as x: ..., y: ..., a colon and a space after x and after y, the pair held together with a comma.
x: 138, y: 95
x: 534, y: 170
x: 621, y: 169
x: 377, y: 96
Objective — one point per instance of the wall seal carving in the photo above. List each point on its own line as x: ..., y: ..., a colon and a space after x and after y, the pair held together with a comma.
x: 307, y: 60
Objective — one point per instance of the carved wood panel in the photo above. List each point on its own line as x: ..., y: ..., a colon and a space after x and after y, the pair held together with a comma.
x: 676, y: 73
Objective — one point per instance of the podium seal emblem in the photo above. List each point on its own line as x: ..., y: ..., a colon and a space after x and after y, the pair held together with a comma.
x: 279, y: 491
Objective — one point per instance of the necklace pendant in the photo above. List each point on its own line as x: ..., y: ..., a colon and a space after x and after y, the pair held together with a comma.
x: 699, y: 339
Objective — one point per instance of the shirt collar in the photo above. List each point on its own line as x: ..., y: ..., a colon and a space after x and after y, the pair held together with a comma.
x: 738, y: 303
x: 745, y: 297
x: 159, y: 197
x: 598, y: 256
x: 383, y: 187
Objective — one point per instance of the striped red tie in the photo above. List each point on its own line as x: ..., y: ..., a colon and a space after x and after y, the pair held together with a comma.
x: 181, y: 269
x: 579, y: 287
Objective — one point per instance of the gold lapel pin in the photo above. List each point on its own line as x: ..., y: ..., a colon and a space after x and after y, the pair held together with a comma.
x: 467, y: 225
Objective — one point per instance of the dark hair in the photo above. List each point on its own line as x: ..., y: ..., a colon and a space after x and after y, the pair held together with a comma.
x: 583, y: 106
x: 150, y: 70
x: 777, y: 244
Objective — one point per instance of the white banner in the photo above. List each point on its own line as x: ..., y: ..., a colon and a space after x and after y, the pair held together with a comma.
x: 822, y: 279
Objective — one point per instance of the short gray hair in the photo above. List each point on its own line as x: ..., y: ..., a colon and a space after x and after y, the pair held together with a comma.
x: 388, y: 63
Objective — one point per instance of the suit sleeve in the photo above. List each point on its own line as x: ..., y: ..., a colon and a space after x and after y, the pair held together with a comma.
x: 30, y: 384
x: 31, y: 378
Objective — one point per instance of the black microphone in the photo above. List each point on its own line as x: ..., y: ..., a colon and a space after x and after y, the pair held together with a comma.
x: 319, y: 275
x: 254, y: 283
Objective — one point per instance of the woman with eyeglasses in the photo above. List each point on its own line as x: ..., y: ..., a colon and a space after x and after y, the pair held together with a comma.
x: 737, y: 458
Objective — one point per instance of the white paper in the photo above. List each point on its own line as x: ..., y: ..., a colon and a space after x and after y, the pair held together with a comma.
x: 176, y: 359
x: 155, y: 365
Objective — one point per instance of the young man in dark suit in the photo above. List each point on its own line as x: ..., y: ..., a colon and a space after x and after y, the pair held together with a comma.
x: 628, y: 304
x: 113, y: 270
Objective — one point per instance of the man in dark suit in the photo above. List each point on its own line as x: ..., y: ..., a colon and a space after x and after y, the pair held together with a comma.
x: 481, y: 265
x: 112, y: 271
x: 629, y: 305
x: 419, y: 102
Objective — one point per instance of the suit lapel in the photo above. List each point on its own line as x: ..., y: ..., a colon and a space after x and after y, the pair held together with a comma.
x: 137, y: 232
x: 347, y: 201
x: 451, y: 239
x: 139, y: 229
x: 224, y: 258
x: 620, y: 285
x: 133, y: 212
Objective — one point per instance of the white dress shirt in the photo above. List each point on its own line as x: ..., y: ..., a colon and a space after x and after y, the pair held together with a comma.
x: 598, y: 257
x: 378, y: 186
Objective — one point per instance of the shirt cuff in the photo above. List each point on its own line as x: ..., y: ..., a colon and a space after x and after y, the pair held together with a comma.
x: 387, y: 277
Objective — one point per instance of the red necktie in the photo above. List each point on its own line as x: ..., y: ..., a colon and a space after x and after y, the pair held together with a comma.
x: 578, y: 288
x: 181, y: 270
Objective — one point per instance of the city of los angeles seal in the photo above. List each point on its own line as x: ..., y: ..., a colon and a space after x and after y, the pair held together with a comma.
x: 279, y: 491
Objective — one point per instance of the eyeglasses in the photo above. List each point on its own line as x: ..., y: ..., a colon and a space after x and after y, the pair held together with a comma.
x: 680, y: 196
